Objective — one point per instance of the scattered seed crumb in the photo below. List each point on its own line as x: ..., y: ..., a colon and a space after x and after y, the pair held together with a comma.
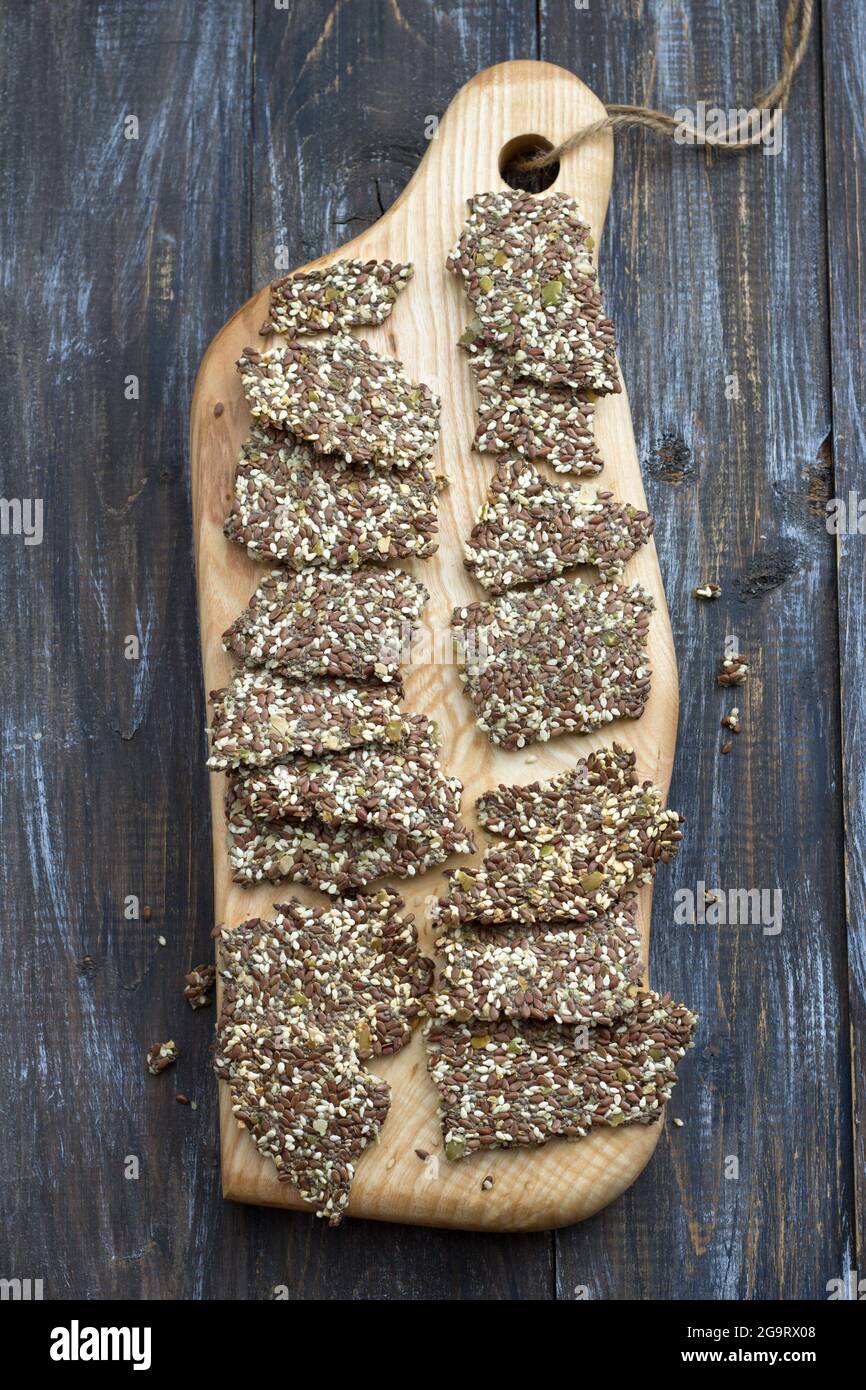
x: 734, y: 670
x: 181, y: 1098
x: 199, y: 986
x: 442, y: 482
x: 486, y: 1183
x: 707, y: 590
x: 218, y: 409
x: 193, y: 1105
x: 161, y: 940
x: 422, y: 1154
x: 160, y: 1056
x: 146, y: 913
x: 732, y: 721
x: 86, y: 965
x: 678, y: 1122
x: 726, y: 747
x: 533, y: 758
x: 711, y: 897
x: 390, y: 1164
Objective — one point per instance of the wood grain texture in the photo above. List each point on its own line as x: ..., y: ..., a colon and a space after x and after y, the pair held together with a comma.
x: 715, y: 267
x: 844, y: 46
x: 560, y: 1183
x: 120, y: 262
x: 125, y: 259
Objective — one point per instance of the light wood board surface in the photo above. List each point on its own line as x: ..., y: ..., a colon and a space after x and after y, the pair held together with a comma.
x: 533, y: 1188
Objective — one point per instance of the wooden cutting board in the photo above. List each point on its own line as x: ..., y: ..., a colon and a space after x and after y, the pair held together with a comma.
x: 533, y: 1188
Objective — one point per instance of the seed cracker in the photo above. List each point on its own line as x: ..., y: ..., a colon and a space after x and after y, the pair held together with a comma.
x: 601, y: 795
x: 317, y: 623
x: 352, y: 970
x: 579, y: 877
x: 573, y: 974
x: 200, y: 983
x: 344, y: 398
x: 341, y: 295
x: 565, y: 657
x: 536, y: 421
x: 334, y: 858
x: 518, y: 365
x: 262, y: 718
x: 530, y: 529
x: 309, y: 1106
x: 390, y: 788
x: 525, y: 1083
x: 514, y: 237
x: 527, y: 269
x: 294, y: 507
x: 579, y: 355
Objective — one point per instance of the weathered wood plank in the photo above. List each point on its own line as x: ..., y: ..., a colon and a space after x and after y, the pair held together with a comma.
x: 844, y: 46
x: 344, y: 100
x: 716, y: 269
x: 122, y: 257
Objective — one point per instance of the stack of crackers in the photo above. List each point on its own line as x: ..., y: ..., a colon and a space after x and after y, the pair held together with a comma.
x: 330, y: 783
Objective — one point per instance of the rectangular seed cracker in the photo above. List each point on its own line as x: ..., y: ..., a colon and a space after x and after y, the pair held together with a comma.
x: 295, y: 507
x: 515, y: 237
x: 572, y: 973
x: 344, y: 398
x: 568, y: 877
x: 356, y: 626
x: 512, y: 1083
x: 391, y: 788
x: 262, y: 718
x: 601, y: 795
x: 336, y: 858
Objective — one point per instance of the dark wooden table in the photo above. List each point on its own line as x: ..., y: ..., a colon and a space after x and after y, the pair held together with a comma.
x: 261, y: 127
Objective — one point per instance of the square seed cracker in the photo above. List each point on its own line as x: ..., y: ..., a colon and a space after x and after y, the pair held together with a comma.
x: 571, y: 345
x: 536, y: 421
x: 352, y: 970
x: 565, y: 657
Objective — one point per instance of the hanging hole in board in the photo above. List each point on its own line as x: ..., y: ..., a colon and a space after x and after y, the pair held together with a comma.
x: 524, y: 147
